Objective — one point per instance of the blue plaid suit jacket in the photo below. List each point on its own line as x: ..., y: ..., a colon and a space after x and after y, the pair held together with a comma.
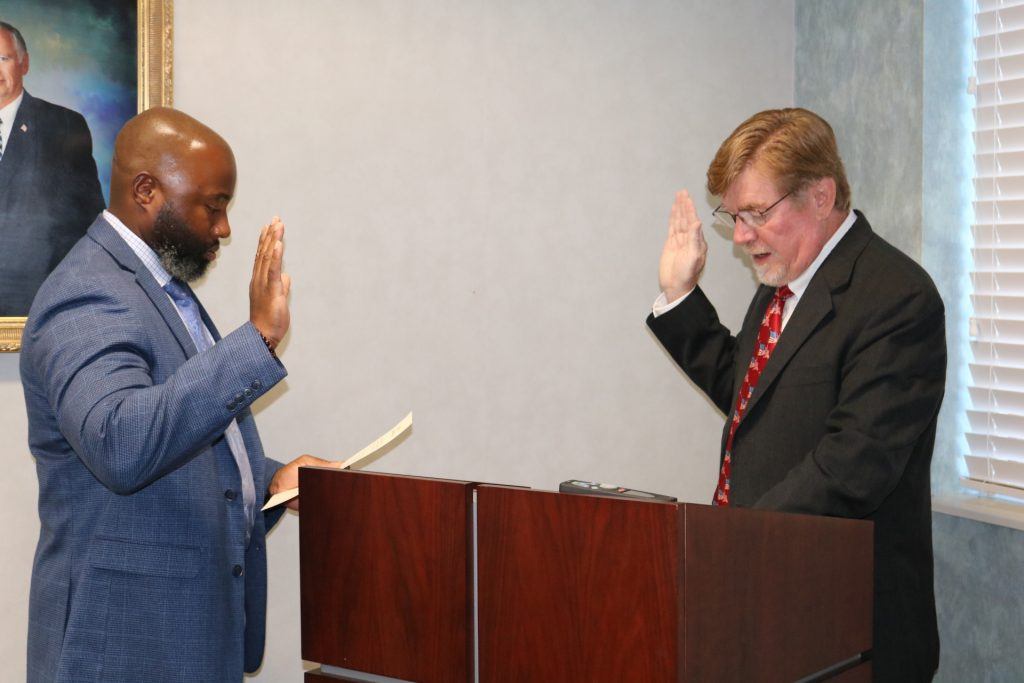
x: 142, y: 570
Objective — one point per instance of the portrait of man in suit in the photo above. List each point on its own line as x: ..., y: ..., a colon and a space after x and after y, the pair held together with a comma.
x: 833, y: 383
x: 49, y: 189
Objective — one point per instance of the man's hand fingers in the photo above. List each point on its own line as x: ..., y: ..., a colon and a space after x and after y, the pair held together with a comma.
x: 675, y: 217
x: 684, y: 218
x: 691, y: 225
x: 269, y: 253
x: 288, y: 476
x: 682, y: 258
x: 259, y: 251
x: 313, y: 461
x: 691, y: 211
x: 274, y: 264
x: 259, y: 265
x: 276, y: 254
x: 268, y: 306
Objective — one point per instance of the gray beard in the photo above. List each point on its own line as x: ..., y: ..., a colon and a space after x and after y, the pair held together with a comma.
x: 181, y: 254
x: 185, y: 267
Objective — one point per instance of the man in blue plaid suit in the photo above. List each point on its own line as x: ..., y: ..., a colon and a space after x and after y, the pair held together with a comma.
x: 151, y: 563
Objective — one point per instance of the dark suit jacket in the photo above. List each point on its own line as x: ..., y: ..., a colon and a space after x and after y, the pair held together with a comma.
x: 49, y: 195
x: 842, y: 421
x: 142, y: 572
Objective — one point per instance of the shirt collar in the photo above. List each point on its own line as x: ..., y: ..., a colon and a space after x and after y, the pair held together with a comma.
x: 799, y: 284
x: 141, y: 249
x: 8, y: 114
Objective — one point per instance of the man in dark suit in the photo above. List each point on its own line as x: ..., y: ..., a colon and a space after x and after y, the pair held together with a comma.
x: 834, y: 381
x: 49, y: 190
x: 151, y: 563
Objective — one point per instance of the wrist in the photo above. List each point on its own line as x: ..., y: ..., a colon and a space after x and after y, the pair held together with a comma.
x: 269, y: 341
x: 673, y: 293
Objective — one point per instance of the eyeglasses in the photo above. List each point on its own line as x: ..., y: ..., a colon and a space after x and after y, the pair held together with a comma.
x: 750, y: 217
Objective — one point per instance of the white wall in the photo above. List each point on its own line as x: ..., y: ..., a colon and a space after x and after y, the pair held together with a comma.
x: 476, y: 194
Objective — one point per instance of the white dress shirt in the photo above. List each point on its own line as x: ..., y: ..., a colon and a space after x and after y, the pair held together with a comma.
x: 7, y: 115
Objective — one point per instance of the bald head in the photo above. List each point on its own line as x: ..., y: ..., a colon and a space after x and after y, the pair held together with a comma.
x: 171, y: 180
x: 162, y: 142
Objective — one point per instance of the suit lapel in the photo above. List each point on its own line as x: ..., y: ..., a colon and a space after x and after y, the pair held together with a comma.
x: 814, y: 306
x: 107, y: 237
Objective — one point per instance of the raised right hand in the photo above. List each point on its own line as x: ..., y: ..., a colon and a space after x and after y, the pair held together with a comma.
x: 685, y: 252
x: 268, y: 290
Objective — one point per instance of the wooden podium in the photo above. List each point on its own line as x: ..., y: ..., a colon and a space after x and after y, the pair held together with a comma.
x: 409, y: 578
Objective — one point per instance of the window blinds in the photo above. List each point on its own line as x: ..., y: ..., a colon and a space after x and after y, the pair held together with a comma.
x: 995, y: 437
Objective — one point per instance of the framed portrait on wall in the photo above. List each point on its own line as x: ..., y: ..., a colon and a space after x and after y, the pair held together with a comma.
x: 71, y: 73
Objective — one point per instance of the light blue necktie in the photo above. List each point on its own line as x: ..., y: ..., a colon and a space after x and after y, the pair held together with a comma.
x: 190, y: 313
x: 189, y: 309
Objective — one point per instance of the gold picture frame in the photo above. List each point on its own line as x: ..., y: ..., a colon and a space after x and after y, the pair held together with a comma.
x: 156, y: 87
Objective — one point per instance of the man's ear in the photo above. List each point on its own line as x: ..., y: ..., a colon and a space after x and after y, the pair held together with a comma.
x: 24, y: 65
x: 147, y: 193
x: 824, y: 193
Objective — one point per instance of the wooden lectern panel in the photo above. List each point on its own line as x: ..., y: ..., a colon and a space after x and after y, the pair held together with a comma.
x: 576, y: 588
x: 385, y: 572
x: 772, y: 596
x: 583, y: 588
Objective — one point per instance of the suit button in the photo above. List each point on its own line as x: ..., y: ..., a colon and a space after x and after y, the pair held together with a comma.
x: 256, y: 384
x: 232, y: 406
x: 230, y: 495
x: 237, y: 570
x: 247, y: 392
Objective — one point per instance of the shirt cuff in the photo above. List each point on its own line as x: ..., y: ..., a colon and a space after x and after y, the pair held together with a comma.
x: 662, y: 305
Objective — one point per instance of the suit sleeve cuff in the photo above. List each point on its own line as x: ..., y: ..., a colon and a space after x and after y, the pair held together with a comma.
x: 663, y: 305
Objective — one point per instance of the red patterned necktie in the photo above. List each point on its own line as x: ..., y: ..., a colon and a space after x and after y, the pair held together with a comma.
x: 767, y: 337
